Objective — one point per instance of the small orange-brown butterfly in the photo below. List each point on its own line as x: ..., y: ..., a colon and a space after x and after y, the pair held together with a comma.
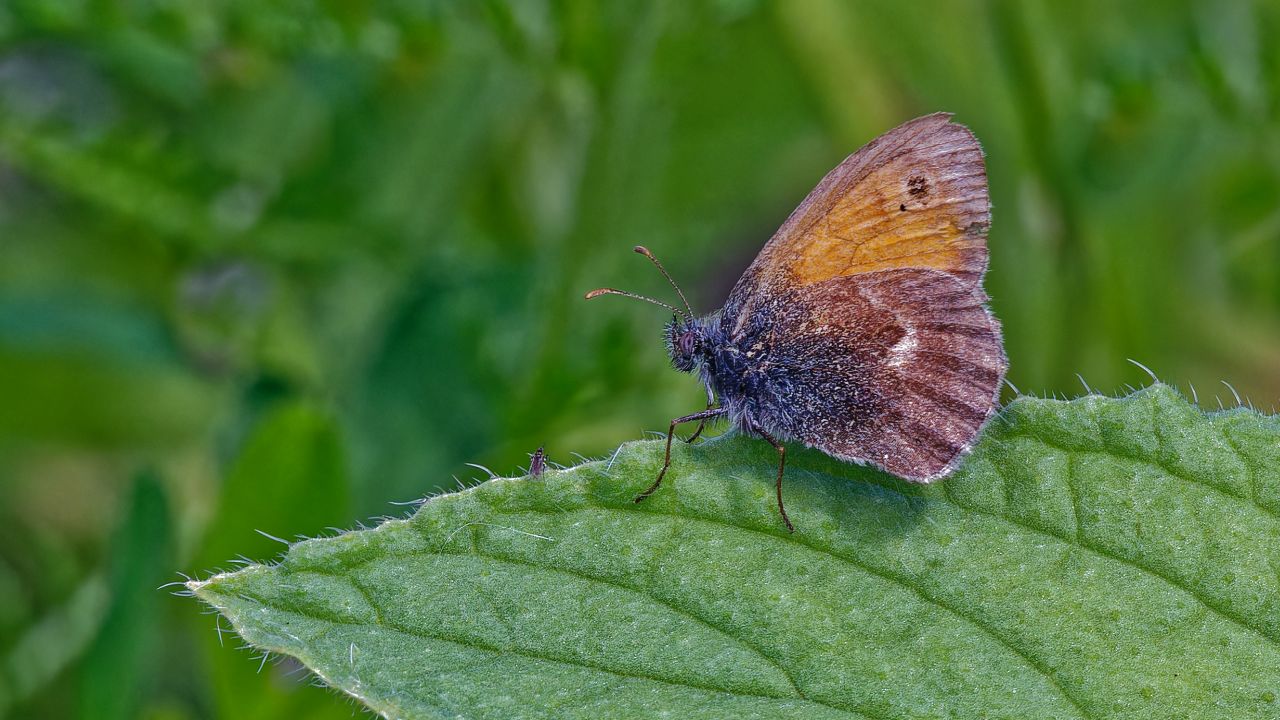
x: 861, y: 328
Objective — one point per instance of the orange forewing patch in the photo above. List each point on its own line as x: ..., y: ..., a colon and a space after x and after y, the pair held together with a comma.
x: 906, y: 213
x: 915, y: 197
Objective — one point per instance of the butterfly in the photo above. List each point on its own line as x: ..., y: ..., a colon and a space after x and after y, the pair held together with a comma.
x: 861, y: 329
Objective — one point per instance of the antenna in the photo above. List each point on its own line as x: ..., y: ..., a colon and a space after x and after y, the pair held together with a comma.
x: 610, y: 291
x: 649, y: 254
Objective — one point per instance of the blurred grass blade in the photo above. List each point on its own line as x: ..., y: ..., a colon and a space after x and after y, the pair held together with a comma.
x: 289, y: 479
x: 124, y: 653
x: 1093, y: 559
x: 54, y: 642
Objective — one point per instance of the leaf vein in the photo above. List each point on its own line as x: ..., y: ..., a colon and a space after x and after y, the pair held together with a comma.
x: 1251, y: 476
x: 564, y: 571
x: 1114, y: 452
x: 1224, y: 613
x: 642, y: 592
x: 890, y: 577
x: 1074, y: 494
x: 524, y: 653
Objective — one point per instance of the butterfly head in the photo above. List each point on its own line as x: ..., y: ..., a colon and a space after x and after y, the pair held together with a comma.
x: 686, y: 342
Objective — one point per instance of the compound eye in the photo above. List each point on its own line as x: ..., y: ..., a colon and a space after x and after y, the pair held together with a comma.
x: 687, y: 343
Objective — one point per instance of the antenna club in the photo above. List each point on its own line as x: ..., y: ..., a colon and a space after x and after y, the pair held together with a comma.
x: 645, y: 252
x: 610, y: 291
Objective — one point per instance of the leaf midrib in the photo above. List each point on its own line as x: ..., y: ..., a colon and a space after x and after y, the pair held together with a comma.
x: 519, y: 562
x: 471, y: 644
x: 1024, y: 657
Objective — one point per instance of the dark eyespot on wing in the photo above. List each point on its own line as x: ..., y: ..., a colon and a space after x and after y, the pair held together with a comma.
x: 856, y: 221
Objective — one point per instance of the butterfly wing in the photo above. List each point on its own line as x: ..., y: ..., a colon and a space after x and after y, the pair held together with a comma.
x: 866, y: 308
x: 899, y: 368
x: 915, y: 197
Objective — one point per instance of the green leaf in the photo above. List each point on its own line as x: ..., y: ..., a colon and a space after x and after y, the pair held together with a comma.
x: 1098, y: 558
x: 289, y: 477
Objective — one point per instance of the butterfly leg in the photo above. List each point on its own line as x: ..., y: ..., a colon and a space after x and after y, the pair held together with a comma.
x: 671, y: 431
x: 782, y: 464
x: 702, y: 424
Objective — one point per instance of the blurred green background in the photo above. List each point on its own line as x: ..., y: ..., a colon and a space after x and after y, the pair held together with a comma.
x: 273, y: 265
